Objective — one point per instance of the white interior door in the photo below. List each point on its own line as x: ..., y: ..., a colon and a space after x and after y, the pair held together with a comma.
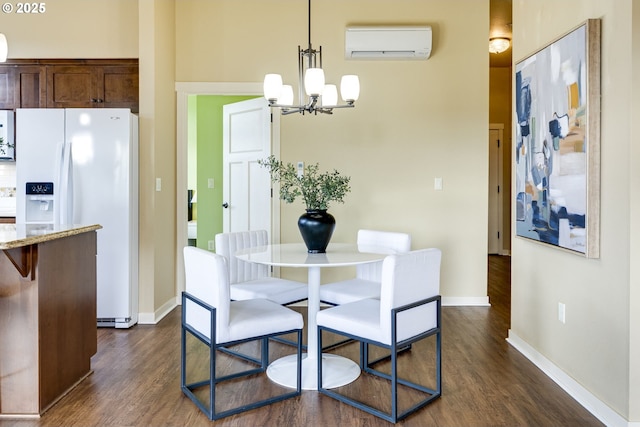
x: 246, y: 187
x: 495, y: 196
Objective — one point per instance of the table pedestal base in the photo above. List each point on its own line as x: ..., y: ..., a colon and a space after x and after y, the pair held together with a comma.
x: 336, y: 371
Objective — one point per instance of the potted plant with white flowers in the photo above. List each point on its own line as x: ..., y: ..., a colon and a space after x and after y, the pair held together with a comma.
x: 318, y: 190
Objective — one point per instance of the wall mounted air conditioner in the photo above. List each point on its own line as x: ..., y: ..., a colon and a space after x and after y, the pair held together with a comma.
x: 388, y: 42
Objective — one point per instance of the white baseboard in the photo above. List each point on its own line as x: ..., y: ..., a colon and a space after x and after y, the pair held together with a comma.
x: 158, y: 315
x: 466, y: 301
x: 591, y: 403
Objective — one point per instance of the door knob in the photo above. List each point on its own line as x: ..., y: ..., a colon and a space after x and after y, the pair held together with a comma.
x: 225, y: 205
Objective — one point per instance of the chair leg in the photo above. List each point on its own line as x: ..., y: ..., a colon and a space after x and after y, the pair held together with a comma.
x: 394, y: 415
x: 394, y: 383
x: 265, y: 353
x: 212, y: 382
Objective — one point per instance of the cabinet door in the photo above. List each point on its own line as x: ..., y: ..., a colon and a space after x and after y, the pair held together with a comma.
x: 7, y: 87
x: 120, y: 87
x: 22, y: 86
x: 31, y: 82
x: 71, y: 86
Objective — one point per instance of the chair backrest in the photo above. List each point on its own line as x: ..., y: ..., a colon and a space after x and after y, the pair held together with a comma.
x: 408, y: 278
x: 227, y: 244
x: 386, y: 242
x: 206, y: 278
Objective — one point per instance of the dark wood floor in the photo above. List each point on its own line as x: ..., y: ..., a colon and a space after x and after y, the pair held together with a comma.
x: 485, y: 381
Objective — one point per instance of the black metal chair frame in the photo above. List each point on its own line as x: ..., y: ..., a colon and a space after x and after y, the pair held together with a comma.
x: 394, y: 348
x: 212, y: 381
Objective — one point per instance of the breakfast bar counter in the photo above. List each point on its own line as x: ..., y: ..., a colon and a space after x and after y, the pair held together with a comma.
x: 48, y: 331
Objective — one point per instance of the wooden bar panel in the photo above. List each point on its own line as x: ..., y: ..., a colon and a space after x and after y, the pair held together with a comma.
x: 18, y: 340
x: 48, y: 327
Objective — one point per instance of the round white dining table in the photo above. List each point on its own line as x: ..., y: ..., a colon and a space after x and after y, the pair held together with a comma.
x: 337, y: 370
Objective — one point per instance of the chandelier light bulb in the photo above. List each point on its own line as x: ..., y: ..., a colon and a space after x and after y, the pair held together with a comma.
x: 350, y: 88
x: 286, y: 95
x: 272, y: 86
x: 314, y: 81
x: 329, y: 96
x: 4, y: 48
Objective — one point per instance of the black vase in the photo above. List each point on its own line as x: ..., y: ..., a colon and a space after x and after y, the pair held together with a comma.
x: 316, y: 227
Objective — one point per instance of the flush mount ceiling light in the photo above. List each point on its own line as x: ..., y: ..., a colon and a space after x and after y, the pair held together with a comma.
x: 498, y: 44
x: 4, y: 48
x: 320, y: 97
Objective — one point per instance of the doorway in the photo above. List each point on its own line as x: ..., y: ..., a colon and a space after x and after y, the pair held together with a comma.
x: 183, y: 91
x: 495, y: 190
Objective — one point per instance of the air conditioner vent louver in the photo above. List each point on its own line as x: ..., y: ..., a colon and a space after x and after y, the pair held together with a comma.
x: 408, y: 43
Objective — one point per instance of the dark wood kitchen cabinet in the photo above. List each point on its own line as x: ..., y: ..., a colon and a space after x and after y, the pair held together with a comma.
x: 22, y: 86
x: 92, y: 86
x: 81, y: 83
x: 7, y: 78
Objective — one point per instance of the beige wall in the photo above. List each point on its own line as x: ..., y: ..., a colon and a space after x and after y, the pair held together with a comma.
x: 414, y: 121
x: 157, y: 159
x: 593, y: 347
x: 74, y: 29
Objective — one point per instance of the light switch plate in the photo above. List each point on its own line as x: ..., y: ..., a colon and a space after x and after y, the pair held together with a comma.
x: 437, y: 183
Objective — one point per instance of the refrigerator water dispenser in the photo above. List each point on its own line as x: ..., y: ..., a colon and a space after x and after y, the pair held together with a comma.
x: 39, y: 202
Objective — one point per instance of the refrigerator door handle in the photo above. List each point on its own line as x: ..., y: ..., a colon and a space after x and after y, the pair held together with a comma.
x: 57, y: 189
x: 66, y: 185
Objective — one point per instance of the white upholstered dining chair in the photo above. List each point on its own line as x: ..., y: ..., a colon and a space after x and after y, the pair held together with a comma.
x: 209, y: 315
x: 408, y: 311
x: 366, y: 284
x: 251, y: 280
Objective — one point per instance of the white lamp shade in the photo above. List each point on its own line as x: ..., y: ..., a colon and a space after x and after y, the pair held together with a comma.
x: 329, y: 96
x: 4, y: 48
x: 272, y: 86
x: 314, y: 81
x: 350, y: 88
x: 286, y: 95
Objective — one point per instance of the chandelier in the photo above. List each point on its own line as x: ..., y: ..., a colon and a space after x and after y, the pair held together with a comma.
x: 320, y: 97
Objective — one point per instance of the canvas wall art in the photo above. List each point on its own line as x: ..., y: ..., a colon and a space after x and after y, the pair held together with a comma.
x: 557, y: 156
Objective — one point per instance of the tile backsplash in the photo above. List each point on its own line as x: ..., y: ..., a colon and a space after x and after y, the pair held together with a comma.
x: 7, y: 189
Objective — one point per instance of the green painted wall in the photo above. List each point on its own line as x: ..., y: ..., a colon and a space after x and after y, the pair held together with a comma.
x: 208, y: 113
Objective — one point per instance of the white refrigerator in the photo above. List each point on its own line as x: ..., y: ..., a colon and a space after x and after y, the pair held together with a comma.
x: 80, y: 166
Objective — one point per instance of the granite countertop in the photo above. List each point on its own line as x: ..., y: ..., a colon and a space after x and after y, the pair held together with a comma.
x: 17, y: 235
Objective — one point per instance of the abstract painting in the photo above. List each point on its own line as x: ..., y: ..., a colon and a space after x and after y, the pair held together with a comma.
x: 557, y: 142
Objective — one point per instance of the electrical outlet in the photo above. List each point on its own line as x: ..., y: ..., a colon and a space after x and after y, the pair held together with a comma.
x: 300, y: 169
x: 211, y: 245
x: 158, y: 184
x: 562, y: 312
x: 210, y: 183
